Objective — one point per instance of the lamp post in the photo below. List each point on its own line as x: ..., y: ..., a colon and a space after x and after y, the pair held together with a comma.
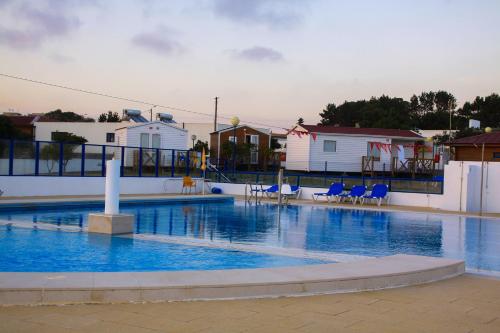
x: 193, y: 137
x: 235, y: 121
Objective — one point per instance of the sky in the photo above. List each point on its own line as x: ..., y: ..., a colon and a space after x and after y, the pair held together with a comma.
x: 269, y: 61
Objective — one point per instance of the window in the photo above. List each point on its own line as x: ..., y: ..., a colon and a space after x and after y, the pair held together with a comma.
x: 55, y: 135
x: 329, y: 146
x: 145, y: 140
x: 110, y: 137
x: 496, y: 155
x: 233, y: 139
x: 156, y: 141
x: 254, y: 157
x: 373, y: 150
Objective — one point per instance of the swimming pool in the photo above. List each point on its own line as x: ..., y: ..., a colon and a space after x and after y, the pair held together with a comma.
x: 307, y: 227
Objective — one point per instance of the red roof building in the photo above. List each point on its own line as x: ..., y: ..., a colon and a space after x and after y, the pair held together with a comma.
x: 471, y: 148
x: 348, y: 149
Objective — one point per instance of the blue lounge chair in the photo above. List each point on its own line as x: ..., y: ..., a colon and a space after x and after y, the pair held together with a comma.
x: 296, y: 191
x: 379, y: 193
x: 334, y: 191
x: 271, y: 191
x: 357, y: 191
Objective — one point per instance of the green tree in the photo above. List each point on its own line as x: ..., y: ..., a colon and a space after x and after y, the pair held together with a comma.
x: 109, y: 117
x: 59, y: 115
x: 51, y: 152
x: 485, y: 109
x: 7, y: 129
x: 199, y: 145
x: 275, y: 144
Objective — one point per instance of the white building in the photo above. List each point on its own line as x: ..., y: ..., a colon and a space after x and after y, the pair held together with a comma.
x: 341, y: 149
x: 152, y: 135
x: 156, y: 134
x: 95, y: 133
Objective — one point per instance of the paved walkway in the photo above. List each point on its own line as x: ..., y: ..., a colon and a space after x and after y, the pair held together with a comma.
x: 464, y: 304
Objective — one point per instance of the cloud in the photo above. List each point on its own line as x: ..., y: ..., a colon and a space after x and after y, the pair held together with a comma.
x: 60, y: 58
x: 258, y: 54
x: 40, y: 21
x: 272, y: 13
x: 160, y: 42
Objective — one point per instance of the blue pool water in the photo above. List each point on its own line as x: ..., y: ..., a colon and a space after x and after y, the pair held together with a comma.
x: 305, y: 227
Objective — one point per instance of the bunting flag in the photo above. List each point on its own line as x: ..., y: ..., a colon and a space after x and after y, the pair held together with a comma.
x: 300, y: 133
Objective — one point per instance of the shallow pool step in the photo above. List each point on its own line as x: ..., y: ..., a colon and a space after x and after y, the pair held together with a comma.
x: 368, y: 274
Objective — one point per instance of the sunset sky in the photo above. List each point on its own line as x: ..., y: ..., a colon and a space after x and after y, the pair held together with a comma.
x: 270, y: 61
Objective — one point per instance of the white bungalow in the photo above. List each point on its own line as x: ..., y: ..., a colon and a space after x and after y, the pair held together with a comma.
x: 152, y: 135
x: 344, y: 149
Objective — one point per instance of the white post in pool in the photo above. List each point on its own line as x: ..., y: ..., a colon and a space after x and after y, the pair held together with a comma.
x: 112, y: 191
x: 111, y: 221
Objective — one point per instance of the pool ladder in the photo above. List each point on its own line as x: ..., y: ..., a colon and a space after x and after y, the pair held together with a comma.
x: 254, y: 191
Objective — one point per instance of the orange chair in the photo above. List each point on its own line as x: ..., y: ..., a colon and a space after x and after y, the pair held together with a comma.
x: 187, y: 183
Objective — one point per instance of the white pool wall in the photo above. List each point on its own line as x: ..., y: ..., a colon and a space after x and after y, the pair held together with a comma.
x: 461, y: 188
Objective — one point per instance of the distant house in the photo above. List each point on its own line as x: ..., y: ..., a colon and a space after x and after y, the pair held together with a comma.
x: 348, y: 149
x: 149, y: 137
x: 470, y: 148
x: 24, y: 124
x: 258, y: 137
x: 95, y: 133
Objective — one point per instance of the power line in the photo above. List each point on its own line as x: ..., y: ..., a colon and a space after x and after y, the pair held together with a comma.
x: 128, y: 99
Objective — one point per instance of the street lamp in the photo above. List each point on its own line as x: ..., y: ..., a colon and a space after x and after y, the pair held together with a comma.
x: 235, y: 121
x: 193, y: 137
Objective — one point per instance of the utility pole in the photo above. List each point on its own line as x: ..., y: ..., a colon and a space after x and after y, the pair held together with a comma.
x: 215, y: 117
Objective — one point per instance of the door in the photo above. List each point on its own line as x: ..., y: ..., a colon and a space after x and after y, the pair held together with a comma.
x: 156, y: 141
x: 254, y: 153
x: 144, y: 140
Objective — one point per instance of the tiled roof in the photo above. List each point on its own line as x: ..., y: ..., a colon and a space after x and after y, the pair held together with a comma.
x: 389, y: 132
x: 486, y: 138
x: 22, y: 120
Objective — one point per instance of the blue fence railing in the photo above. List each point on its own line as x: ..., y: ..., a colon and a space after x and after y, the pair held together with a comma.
x: 323, y: 180
x: 47, y: 158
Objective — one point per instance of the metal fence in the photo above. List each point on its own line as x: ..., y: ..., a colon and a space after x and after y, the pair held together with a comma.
x: 45, y: 158
x: 426, y: 185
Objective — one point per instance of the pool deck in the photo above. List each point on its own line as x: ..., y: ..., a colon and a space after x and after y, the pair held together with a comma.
x: 124, y: 197
x: 463, y: 304
x: 107, y: 287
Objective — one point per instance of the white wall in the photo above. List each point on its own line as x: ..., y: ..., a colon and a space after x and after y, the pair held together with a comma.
x: 47, y: 186
x: 297, y: 152
x: 171, y: 137
x: 458, y: 178
x: 95, y: 133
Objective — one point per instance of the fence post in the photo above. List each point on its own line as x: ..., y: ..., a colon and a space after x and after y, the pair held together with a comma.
x: 61, y: 158
x: 298, y: 181
x: 103, y: 161
x: 122, y: 157
x: 140, y: 162
x: 157, y: 162
x: 173, y: 163
x: 11, y: 157
x: 82, y: 166
x: 37, y: 158
x: 326, y: 169
x: 187, y: 162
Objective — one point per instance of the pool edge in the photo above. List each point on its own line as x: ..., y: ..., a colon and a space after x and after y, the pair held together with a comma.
x: 369, y: 274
